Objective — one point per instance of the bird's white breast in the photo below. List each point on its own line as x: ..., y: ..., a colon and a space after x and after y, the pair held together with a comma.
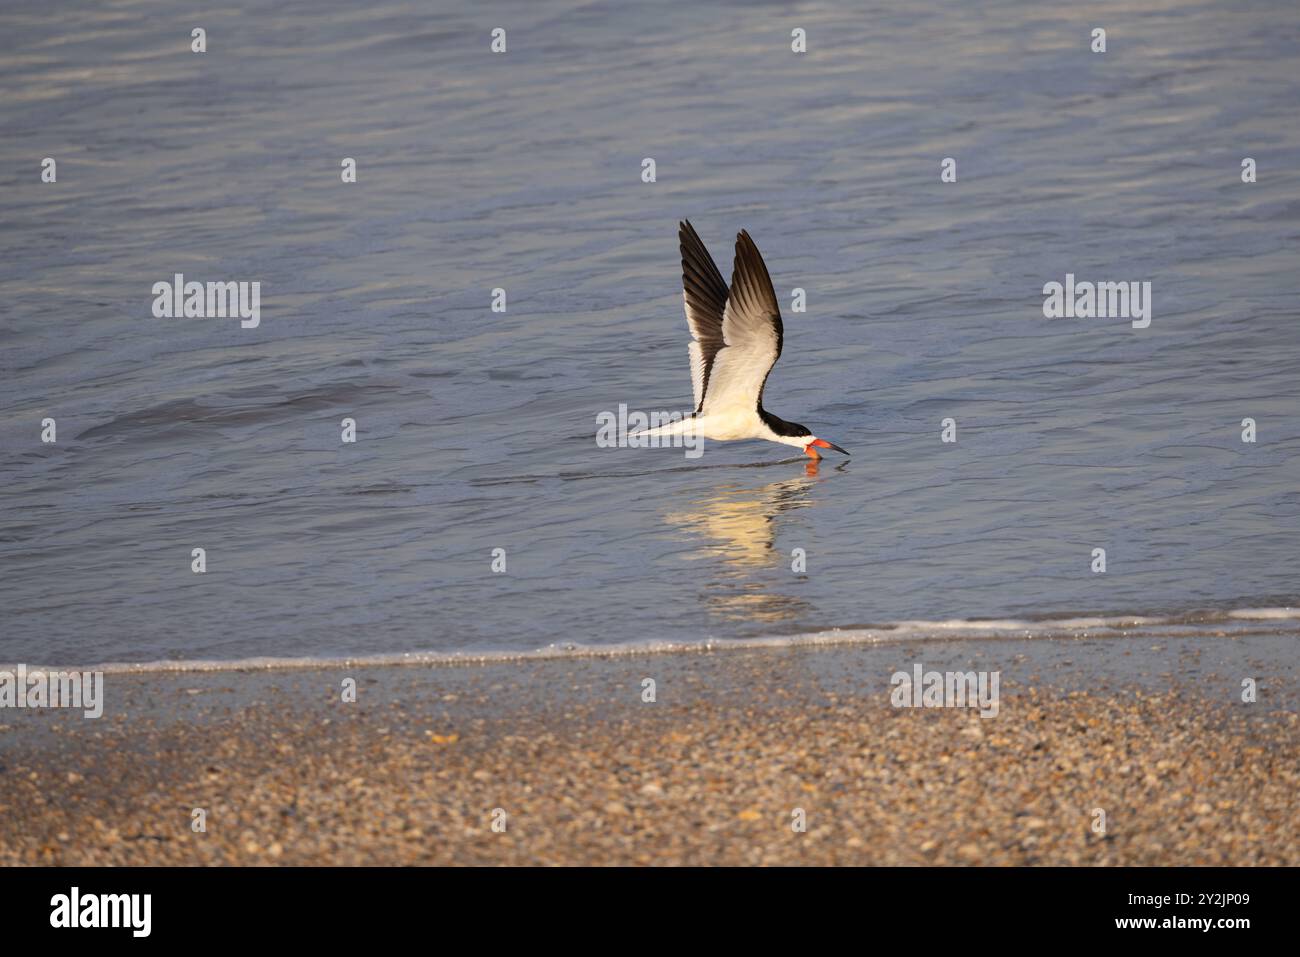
x: 733, y: 424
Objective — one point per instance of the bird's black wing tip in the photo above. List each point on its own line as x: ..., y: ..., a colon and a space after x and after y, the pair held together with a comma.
x: 746, y: 248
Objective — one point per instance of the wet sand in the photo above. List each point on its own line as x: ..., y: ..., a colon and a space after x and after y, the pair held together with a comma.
x: 581, y: 770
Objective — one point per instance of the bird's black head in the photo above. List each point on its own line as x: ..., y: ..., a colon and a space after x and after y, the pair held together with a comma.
x: 787, y: 430
x: 792, y: 433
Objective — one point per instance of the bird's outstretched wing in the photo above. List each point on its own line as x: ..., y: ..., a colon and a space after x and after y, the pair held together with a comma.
x: 705, y: 295
x: 751, y: 337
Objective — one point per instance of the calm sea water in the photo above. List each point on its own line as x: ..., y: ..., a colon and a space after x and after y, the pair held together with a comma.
x: 523, y: 171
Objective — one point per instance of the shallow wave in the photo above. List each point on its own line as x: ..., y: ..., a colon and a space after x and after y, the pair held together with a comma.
x: 1231, y: 623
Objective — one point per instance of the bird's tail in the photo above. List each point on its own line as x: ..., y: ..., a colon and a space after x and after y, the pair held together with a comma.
x: 685, y: 426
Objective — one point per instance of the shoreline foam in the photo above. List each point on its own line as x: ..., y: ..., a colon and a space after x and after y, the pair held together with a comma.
x: 1232, y: 623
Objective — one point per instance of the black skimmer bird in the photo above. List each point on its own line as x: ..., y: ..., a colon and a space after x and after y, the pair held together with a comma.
x: 737, y: 336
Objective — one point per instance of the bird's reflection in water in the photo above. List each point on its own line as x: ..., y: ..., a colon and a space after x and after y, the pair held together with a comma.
x: 739, y: 526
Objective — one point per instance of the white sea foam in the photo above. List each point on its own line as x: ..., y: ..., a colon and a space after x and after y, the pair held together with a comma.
x: 1266, y: 614
x: 1245, y: 621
